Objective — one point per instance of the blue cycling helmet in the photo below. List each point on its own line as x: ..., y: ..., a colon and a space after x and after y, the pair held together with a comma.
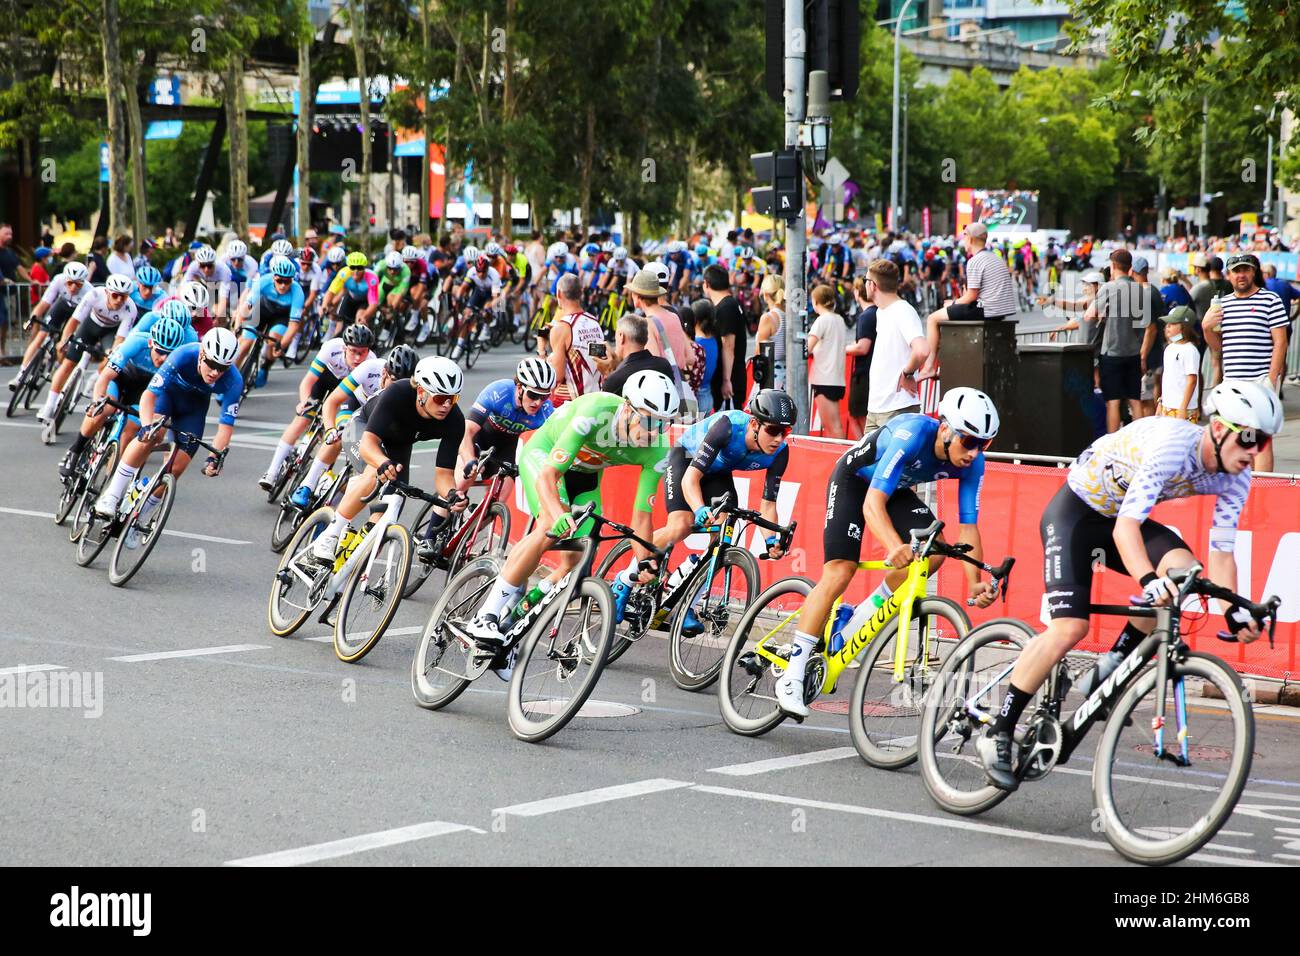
x: 167, y: 335
x: 702, y: 250
x: 283, y: 267
x: 591, y: 249
x: 148, y: 276
x: 177, y: 311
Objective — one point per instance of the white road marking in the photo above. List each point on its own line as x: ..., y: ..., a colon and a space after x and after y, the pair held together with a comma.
x: 1253, y: 794
x: 1228, y: 849
x: 192, y: 652
x: 175, y: 534
x: 356, y: 844
x: 28, y: 514
x: 391, y: 632
x: 782, y: 763
x: 22, y: 424
x: 946, y: 822
x: 1286, y: 856
x: 571, y: 801
x: 31, y: 668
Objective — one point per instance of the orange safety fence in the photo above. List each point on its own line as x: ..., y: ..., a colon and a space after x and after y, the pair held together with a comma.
x: 1013, y: 500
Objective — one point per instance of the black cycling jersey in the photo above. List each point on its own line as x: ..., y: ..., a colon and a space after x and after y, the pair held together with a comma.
x: 399, y: 425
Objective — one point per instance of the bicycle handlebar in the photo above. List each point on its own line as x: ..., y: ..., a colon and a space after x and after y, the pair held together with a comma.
x: 720, y: 505
x: 925, y: 541
x: 397, y: 486
x: 1192, y: 583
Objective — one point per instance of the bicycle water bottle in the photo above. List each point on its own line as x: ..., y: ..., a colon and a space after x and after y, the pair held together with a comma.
x: 861, y: 614
x: 683, y: 571
x: 532, y: 598
x: 137, y: 489
x: 842, y: 616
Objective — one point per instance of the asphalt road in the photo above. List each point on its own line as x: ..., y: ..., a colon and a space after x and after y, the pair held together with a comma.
x: 210, y: 741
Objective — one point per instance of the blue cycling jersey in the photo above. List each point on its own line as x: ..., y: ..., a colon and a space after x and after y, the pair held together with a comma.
x: 274, y: 304
x: 144, y: 305
x: 731, y: 453
x: 903, y: 456
x: 180, y: 381
x: 264, y: 266
x: 555, y: 273
x: 495, y: 410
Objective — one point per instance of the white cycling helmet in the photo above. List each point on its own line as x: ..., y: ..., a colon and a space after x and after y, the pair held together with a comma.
x: 620, y: 253
x: 195, y: 295
x: 75, y: 272
x: 120, y: 284
x: 746, y: 252
x: 393, y: 260
x: 337, y: 253
x: 236, y: 250
x: 471, y: 255
x: 220, y: 346
x: 1247, y: 405
x: 556, y: 250
x: 410, y: 253
x: 205, y: 254
x: 608, y: 246
x: 652, y: 394
x: 438, y: 375
x: 282, y: 247
x: 969, y: 411
x: 492, y: 249
x: 535, y: 374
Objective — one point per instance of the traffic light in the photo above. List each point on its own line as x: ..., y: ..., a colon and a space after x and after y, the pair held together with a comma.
x: 833, y: 33
x: 781, y: 176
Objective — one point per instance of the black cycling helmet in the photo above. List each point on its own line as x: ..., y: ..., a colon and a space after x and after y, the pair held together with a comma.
x: 773, y: 406
x: 359, y: 335
x: 401, y: 362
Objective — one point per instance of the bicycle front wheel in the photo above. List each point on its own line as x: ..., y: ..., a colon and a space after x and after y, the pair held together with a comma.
x: 715, y: 603
x: 747, y: 691
x: 1157, y: 810
x: 372, y: 594
x: 560, y: 661
x: 445, y: 664
x: 884, y: 712
x: 126, y: 560
x: 298, y: 586
x: 491, y: 538
x: 90, y: 531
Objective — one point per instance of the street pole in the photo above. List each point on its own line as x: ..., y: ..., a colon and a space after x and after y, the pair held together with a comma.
x: 1205, y: 151
x: 902, y: 189
x: 796, y: 104
x: 893, y: 152
x: 1268, y: 176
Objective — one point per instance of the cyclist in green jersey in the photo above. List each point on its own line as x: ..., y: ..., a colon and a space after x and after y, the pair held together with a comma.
x: 561, y: 468
x: 394, y: 280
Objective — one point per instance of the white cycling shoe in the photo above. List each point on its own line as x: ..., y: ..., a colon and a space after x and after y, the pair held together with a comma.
x: 106, y: 505
x: 325, y: 547
x: 789, y: 695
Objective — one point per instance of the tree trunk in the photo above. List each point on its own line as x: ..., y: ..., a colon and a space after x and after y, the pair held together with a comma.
x: 687, y: 197
x: 117, y: 122
x: 425, y: 81
x: 306, y: 96
x: 588, y: 164
x: 237, y: 127
x: 738, y: 206
x: 507, y: 116
x: 356, y: 19
x: 455, y: 82
x: 135, y: 129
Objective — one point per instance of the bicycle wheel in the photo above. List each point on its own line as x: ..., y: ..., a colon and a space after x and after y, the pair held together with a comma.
x: 718, y: 602
x: 70, y: 493
x: 372, y: 594
x: 71, y: 390
x: 294, y: 468
x: 747, y: 691
x: 444, y: 665
x: 1153, y: 810
x: 560, y: 661
x: 421, y: 571
x: 979, y: 665
x: 492, y: 537
x: 90, y: 531
x: 473, y: 348
x: 21, y: 387
x: 606, y: 570
x: 299, y: 582
x: 127, y: 561
x: 530, y: 331
x: 884, y: 713
x: 287, y: 523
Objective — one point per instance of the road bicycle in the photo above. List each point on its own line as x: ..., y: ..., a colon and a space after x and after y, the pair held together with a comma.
x: 905, y: 640
x: 717, y: 589
x: 78, y: 383
x: 539, y: 322
x: 1161, y: 787
x: 464, y: 537
x: 328, y: 491
x: 104, y: 446
x: 33, y: 379
x: 295, y: 466
x: 557, y: 648
x: 615, y: 307
x: 362, y: 586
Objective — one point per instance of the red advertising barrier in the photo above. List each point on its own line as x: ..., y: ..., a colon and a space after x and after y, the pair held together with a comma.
x: 1013, y: 500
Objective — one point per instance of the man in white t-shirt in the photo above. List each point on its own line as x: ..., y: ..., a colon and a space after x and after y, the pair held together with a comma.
x: 827, y: 339
x: 899, y: 351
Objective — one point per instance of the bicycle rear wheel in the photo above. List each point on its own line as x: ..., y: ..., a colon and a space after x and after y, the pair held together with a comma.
x: 372, y: 594
x: 297, y: 588
x: 747, y: 690
x: 127, y: 561
x: 71, y: 392
x: 287, y: 522
x: 90, y: 531
x: 70, y: 493
x: 608, y: 568
x: 444, y: 664
x: 492, y: 537
x: 560, y: 662
x: 718, y: 602
x: 952, y: 772
x: 884, y: 714
x: 21, y: 387
x: 1155, y: 811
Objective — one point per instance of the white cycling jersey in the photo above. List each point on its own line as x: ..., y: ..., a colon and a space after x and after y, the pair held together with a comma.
x: 367, y: 376
x: 95, y: 307
x: 58, y: 290
x: 332, y: 358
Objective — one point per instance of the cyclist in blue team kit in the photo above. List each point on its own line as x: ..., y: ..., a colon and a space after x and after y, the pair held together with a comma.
x: 127, y: 374
x: 180, y: 392
x: 274, y: 303
x: 149, y: 289
x: 280, y: 246
x: 504, y: 410
x: 871, y: 488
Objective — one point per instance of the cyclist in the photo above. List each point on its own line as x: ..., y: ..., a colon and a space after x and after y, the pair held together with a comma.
x: 60, y: 301
x: 523, y: 270
x: 480, y: 290
x: 504, y: 266
x: 335, y: 360
x: 180, y: 393
x: 274, y: 305
x: 194, y: 296
x: 243, y: 270
x: 559, y: 261
x: 333, y: 264
x: 213, y: 275
x: 871, y: 487
x: 419, y: 288
x: 622, y: 268
x: 379, y: 439
x: 280, y: 246
x: 1105, y: 506
x: 149, y: 289
x: 702, y: 464
x: 361, y: 384
x: 127, y: 374
x: 394, y: 284
x: 102, y: 316
x: 353, y: 293
x: 561, y: 469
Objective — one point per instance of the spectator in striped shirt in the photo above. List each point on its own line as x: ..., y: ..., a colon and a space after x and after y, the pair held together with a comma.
x: 1246, y: 332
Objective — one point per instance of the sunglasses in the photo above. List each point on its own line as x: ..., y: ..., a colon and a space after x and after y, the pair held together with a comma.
x: 159, y: 351
x: 971, y: 443
x: 441, y: 400
x: 215, y: 366
x: 282, y: 280
x: 1248, y: 437
x: 776, y: 431
x: 207, y: 265
x: 536, y: 396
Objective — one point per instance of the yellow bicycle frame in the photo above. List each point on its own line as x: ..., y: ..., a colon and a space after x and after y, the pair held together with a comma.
x: 899, y: 603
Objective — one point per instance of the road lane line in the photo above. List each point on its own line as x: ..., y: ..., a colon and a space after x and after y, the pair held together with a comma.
x: 946, y: 823
x: 192, y: 652
x: 357, y: 844
x: 175, y: 534
x: 31, y: 668
x: 27, y: 514
x: 391, y: 632
x: 586, y: 798
x: 21, y: 424
x: 783, y: 763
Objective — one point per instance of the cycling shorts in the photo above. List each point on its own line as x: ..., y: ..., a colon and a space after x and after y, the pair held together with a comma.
x: 127, y: 387
x: 712, y: 485
x: 325, y: 384
x: 187, y: 415
x: 504, y: 447
x: 845, y: 525
x: 576, y: 488
x: 89, y: 335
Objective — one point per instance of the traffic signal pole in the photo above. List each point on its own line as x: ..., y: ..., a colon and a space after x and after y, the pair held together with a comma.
x: 796, y: 102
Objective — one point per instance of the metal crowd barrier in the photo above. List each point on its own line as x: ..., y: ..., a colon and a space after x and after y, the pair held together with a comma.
x: 17, y: 298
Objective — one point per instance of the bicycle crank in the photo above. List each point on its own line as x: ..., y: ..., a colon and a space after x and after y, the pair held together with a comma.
x: 1041, y: 748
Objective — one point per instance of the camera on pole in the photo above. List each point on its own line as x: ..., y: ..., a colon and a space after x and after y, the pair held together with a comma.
x: 781, y: 172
